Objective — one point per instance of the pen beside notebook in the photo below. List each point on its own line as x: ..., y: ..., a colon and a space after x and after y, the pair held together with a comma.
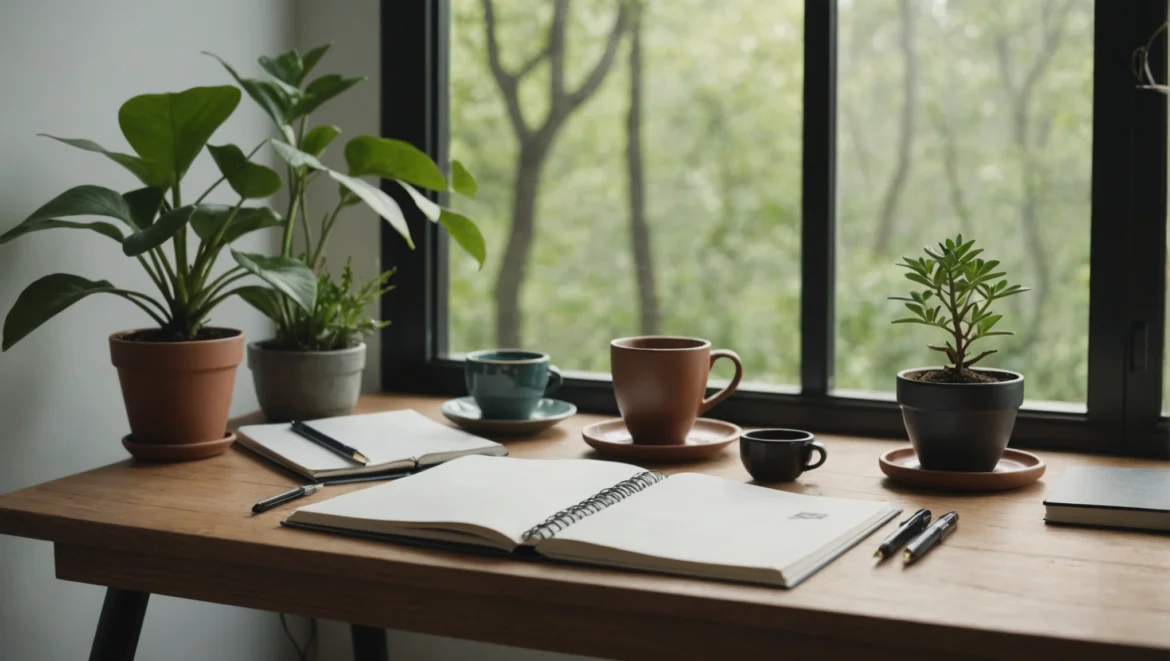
x: 328, y: 442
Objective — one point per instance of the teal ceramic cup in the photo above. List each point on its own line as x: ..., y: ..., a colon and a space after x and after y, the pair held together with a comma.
x: 507, y: 384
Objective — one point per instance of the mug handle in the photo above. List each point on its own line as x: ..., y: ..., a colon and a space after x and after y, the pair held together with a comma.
x: 723, y: 394
x: 816, y: 445
x: 554, y: 380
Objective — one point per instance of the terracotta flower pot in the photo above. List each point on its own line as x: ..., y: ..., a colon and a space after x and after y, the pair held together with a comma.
x: 177, y: 393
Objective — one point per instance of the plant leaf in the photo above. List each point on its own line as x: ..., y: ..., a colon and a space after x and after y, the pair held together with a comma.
x: 158, y: 233
x: 379, y: 201
x: 910, y: 321
x: 311, y: 59
x: 919, y: 279
x: 466, y: 234
x: 318, y: 138
x: 289, y: 276
x: 208, y: 217
x: 273, y: 99
x: 263, y: 299
x: 393, y: 159
x: 321, y: 90
x: 462, y: 181
x: 249, y: 180
x: 916, y: 309
x: 77, y: 201
x: 135, y: 165
x: 425, y: 205
x: 286, y: 67
x: 296, y: 157
x: 169, y: 130
x: 144, y: 204
x: 44, y: 299
x: 105, y: 229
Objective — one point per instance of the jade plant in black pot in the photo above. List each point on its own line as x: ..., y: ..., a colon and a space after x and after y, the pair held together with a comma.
x: 958, y: 418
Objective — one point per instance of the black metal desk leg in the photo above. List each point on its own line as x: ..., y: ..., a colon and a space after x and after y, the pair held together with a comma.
x: 119, y: 625
x: 369, y: 643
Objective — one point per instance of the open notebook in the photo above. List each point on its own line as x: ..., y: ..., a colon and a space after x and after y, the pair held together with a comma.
x: 391, y: 440
x: 606, y: 513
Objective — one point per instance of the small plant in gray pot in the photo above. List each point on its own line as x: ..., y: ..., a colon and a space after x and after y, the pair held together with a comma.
x: 313, y: 367
x: 958, y: 418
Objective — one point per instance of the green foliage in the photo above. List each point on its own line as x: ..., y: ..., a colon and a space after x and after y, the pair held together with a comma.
x: 288, y: 100
x: 339, y: 319
x: 167, y: 132
x: 959, y: 289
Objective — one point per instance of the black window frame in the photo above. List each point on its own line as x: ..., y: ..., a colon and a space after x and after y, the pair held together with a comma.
x: 1127, y: 253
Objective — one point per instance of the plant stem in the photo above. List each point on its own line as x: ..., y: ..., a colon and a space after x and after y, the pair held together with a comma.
x: 290, y: 220
x: 305, y: 220
x: 326, y: 227
x: 223, y: 178
x: 130, y: 296
x: 960, y: 349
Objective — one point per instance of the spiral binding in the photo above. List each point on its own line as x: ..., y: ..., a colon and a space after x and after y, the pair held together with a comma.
x: 592, y: 505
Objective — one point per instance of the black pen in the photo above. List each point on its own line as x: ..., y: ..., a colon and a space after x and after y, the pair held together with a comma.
x: 937, y: 532
x: 906, y: 531
x: 328, y: 442
x: 269, y: 503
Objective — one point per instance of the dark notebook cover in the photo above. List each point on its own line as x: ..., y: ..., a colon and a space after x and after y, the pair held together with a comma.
x: 1104, y: 487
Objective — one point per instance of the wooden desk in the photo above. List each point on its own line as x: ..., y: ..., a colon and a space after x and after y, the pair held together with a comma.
x: 1004, y: 586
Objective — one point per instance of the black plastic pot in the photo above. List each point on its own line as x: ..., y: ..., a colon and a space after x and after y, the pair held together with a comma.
x: 960, y: 426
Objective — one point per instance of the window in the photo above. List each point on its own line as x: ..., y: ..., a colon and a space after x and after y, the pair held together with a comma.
x: 748, y: 171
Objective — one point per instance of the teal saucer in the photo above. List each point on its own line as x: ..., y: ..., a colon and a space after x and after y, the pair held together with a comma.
x: 465, y: 413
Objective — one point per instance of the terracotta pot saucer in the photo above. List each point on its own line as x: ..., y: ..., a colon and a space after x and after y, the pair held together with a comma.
x: 1016, y: 469
x: 706, y: 438
x: 178, y: 451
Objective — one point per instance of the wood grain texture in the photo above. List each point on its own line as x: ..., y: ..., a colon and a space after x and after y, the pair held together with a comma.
x: 1003, y: 586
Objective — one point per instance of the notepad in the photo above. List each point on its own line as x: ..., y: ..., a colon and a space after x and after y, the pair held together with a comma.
x: 1111, y: 497
x: 391, y: 440
x: 610, y: 514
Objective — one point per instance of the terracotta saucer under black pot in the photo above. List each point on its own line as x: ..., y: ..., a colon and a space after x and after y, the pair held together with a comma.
x: 960, y: 426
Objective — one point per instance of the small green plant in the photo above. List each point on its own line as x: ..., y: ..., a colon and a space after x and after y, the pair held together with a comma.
x: 289, y: 98
x: 167, y: 132
x: 959, y: 290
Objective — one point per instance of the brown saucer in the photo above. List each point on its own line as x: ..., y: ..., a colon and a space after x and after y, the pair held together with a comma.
x: 1016, y: 469
x: 706, y: 438
x: 178, y: 451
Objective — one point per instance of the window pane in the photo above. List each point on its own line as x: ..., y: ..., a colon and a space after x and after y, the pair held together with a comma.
x: 973, y: 117
x: 717, y: 247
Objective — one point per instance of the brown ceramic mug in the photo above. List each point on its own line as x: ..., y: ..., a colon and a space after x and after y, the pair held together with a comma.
x: 660, y: 382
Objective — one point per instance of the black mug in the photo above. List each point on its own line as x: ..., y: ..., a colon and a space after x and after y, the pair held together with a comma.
x: 779, y: 455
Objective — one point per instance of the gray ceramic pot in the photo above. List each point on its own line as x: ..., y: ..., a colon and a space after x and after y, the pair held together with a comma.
x: 960, y: 426
x: 302, y: 385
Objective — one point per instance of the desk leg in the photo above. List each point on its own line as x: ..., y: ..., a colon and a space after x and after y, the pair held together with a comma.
x: 119, y: 625
x: 369, y: 643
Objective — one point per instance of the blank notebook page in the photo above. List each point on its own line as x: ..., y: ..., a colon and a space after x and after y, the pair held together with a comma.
x: 504, y: 494
x: 709, y: 520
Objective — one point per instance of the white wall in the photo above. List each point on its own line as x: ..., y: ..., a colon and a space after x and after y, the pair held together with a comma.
x: 353, y: 28
x: 65, y: 68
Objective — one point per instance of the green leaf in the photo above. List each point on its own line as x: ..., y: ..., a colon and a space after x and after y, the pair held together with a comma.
x: 379, y: 201
x: 927, y: 294
x: 285, y: 67
x: 988, y: 322
x: 44, y: 299
x: 77, y: 201
x: 296, y: 157
x: 144, y: 205
x: 318, y: 138
x: 208, y: 218
x: 135, y: 165
x: 289, y: 276
x: 275, y: 101
x: 158, y: 233
x: 466, y: 234
x: 310, y: 60
x: 393, y: 159
x: 425, y: 205
x: 916, y: 309
x: 263, y: 299
x: 919, y: 279
x: 169, y: 130
x: 462, y: 181
x: 321, y: 90
x: 911, y: 321
x: 249, y: 180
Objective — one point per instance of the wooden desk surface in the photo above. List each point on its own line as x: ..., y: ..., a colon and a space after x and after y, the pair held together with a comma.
x: 1003, y: 586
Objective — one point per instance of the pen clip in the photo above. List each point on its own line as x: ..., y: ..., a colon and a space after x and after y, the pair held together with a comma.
x: 911, y: 517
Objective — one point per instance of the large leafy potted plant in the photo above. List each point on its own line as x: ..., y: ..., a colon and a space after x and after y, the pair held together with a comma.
x: 958, y: 418
x: 177, y: 378
x: 312, y: 367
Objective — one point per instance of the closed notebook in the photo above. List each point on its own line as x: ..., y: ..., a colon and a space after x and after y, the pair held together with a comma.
x: 610, y: 514
x: 391, y: 440
x: 1111, y: 497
